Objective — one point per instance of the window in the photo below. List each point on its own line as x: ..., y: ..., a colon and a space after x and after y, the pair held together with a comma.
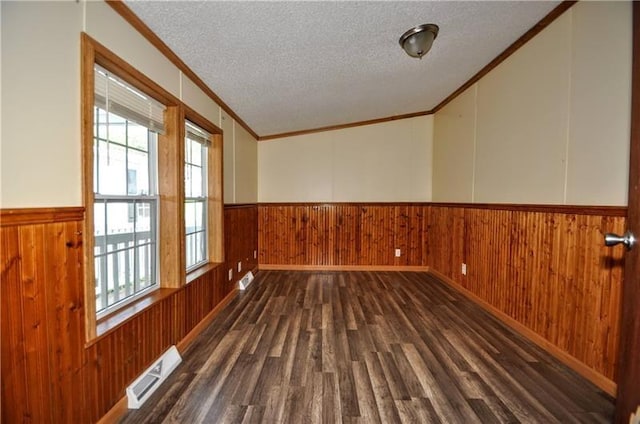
x: 148, y: 210
x: 195, y: 189
x: 125, y: 185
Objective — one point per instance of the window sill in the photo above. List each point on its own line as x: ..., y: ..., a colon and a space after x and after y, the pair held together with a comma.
x: 111, y: 322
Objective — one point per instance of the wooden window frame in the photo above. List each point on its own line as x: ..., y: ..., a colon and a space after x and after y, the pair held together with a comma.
x: 202, y: 199
x: 171, y: 232
x: 215, y: 213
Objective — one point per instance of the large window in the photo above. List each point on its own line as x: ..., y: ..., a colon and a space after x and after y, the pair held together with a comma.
x: 125, y: 210
x: 195, y: 189
x: 152, y: 173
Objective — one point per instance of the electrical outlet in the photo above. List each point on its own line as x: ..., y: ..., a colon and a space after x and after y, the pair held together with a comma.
x: 464, y: 269
x: 398, y: 253
x: 230, y: 274
x: 239, y: 266
x: 255, y: 254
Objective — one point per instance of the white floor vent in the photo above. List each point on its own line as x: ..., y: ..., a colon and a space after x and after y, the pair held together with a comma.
x: 246, y: 280
x: 140, y: 390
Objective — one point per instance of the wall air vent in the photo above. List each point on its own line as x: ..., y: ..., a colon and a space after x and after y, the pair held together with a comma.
x: 245, y: 281
x: 142, y: 388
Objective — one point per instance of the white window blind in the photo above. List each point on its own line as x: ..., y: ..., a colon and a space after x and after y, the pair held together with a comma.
x: 196, y: 133
x: 116, y: 96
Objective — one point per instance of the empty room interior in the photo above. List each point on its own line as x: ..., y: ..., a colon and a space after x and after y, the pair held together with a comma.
x: 314, y: 212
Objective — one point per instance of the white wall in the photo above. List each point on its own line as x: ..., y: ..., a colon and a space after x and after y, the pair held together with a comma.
x: 240, y: 162
x: 245, y: 167
x: 0, y: 114
x: 532, y: 131
x: 541, y: 131
x: 41, y: 164
x: 229, y: 158
x: 296, y: 169
x: 600, y: 117
x: 41, y: 104
x: 192, y: 95
x: 387, y: 162
x: 454, y: 149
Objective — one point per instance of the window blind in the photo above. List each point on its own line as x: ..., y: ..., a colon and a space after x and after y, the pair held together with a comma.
x: 116, y: 96
x: 196, y: 133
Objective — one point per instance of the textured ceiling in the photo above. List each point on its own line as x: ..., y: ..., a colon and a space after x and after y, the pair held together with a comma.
x: 289, y: 66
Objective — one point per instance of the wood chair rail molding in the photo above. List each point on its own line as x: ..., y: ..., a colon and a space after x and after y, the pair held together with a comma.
x: 230, y: 206
x: 543, y: 208
x: 29, y: 216
x: 25, y: 216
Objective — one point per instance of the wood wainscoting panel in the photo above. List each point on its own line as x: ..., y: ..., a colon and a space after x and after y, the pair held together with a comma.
x: 241, y: 240
x: 544, y: 266
x: 549, y: 271
x: 347, y: 234
x: 545, y: 269
x: 445, y: 225
x: 115, y: 360
x: 42, y: 321
x: 49, y: 373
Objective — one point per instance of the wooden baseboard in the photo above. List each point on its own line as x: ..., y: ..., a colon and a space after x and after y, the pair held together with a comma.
x: 271, y: 267
x: 121, y: 407
x: 115, y: 413
x: 580, y: 367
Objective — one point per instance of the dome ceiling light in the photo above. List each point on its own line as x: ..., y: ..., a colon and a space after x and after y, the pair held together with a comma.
x: 418, y: 40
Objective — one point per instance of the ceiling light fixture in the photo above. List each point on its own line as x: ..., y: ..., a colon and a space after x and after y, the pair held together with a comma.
x: 417, y: 41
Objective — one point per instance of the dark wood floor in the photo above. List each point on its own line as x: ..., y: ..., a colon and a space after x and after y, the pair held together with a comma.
x: 366, y: 347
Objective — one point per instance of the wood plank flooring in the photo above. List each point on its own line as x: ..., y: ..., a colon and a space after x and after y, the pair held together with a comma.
x: 366, y: 347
